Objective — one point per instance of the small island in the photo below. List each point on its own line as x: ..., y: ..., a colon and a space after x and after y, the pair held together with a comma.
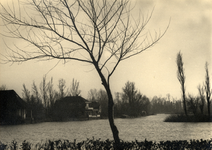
x: 196, y: 108
x: 188, y: 118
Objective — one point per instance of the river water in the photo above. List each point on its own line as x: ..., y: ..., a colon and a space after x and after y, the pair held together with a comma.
x: 150, y: 128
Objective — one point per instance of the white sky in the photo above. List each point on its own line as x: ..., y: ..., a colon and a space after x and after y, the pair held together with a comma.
x: 153, y: 71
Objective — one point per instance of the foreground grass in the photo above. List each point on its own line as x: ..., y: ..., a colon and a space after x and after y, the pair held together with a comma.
x: 109, y: 145
x: 189, y: 118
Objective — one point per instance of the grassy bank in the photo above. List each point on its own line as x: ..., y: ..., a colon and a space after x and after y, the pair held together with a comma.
x: 109, y: 145
x: 189, y: 118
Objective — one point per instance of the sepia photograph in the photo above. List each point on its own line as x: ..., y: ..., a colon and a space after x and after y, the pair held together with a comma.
x: 105, y: 74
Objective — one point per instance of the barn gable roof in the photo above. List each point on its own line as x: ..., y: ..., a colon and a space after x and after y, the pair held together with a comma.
x: 72, y: 99
x: 10, y: 99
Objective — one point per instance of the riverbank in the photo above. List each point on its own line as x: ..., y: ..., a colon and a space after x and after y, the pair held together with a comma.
x: 189, y: 118
x: 109, y: 144
x: 29, y: 121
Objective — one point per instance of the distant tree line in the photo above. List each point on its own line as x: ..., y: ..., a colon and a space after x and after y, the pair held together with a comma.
x: 130, y: 102
x: 41, y: 99
x: 166, y: 105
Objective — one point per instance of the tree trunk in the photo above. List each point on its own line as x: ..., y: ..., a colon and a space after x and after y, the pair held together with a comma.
x: 201, y: 109
x: 209, y: 111
x: 110, y: 108
x: 184, y: 100
x: 111, y: 117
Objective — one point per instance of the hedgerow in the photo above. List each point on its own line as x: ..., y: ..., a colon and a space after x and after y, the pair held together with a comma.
x: 99, y: 144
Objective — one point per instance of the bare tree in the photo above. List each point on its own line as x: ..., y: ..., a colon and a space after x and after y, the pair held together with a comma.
x: 74, y: 89
x: 62, y: 87
x: 3, y: 87
x: 103, y: 100
x: 44, y: 94
x: 93, y: 95
x: 26, y: 94
x: 202, y: 98
x: 43, y: 91
x: 208, y: 90
x: 129, y: 92
x: 193, y: 103
x: 51, y: 92
x: 101, y: 97
x: 36, y: 93
x: 133, y: 98
x: 181, y: 78
x: 102, y: 33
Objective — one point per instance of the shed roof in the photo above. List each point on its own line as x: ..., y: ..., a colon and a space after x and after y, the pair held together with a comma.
x: 72, y: 99
x: 9, y: 98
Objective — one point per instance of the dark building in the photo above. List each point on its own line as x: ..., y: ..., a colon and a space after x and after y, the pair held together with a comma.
x: 12, y: 107
x: 69, y: 107
x: 75, y: 107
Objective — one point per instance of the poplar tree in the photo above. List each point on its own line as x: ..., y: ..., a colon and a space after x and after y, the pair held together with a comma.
x: 181, y: 78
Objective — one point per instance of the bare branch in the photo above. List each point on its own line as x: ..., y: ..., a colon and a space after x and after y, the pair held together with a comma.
x: 100, y: 32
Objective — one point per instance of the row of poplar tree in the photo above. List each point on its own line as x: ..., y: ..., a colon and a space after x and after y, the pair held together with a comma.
x: 200, y: 104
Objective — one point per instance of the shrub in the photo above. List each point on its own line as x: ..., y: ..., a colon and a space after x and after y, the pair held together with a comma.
x: 109, y: 145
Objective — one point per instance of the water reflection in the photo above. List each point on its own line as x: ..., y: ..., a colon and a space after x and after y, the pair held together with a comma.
x: 151, y: 128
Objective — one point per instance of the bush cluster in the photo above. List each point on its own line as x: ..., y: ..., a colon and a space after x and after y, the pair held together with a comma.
x: 189, y: 118
x: 110, y: 145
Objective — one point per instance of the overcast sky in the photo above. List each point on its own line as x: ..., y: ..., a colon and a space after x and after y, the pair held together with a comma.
x: 153, y: 71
